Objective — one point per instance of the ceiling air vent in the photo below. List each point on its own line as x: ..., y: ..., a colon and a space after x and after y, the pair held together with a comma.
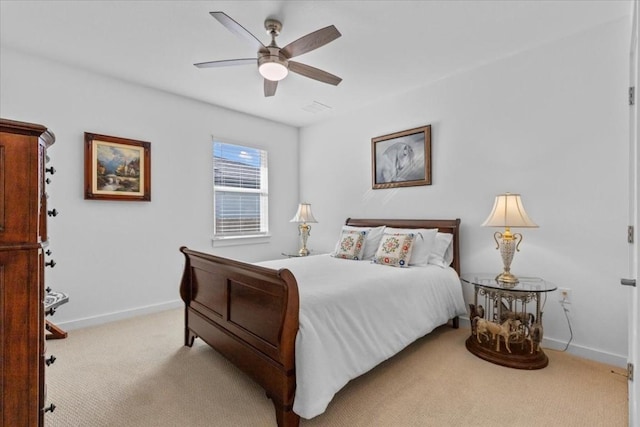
x: 316, y: 107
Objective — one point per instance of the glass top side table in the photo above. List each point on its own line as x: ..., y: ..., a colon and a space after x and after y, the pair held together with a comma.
x: 506, y: 320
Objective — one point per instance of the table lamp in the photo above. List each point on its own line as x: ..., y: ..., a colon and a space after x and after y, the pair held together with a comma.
x: 303, y: 217
x: 508, y: 212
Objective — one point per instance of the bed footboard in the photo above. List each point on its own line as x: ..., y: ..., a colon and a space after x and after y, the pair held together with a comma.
x: 249, y: 314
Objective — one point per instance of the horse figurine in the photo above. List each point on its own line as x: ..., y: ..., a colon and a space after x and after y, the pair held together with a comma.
x: 497, y: 330
x: 524, y: 317
x: 535, y: 335
x: 475, y: 313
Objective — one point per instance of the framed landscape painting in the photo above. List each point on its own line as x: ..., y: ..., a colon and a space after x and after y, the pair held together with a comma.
x: 402, y: 159
x: 116, y: 168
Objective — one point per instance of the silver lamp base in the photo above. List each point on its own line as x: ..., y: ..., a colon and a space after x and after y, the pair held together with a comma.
x: 508, y: 245
x: 304, y: 229
x: 303, y: 252
x: 507, y: 279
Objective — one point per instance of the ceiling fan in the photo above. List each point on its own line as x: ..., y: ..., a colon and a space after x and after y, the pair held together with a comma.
x: 274, y: 63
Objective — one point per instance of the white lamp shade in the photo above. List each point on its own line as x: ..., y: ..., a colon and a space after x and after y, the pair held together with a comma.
x: 304, y: 214
x: 273, y: 71
x: 508, y: 212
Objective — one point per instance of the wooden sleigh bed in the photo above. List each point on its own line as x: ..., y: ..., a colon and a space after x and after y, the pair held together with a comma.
x: 250, y: 313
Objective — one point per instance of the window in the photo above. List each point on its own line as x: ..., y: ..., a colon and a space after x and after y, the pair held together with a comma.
x: 240, y: 191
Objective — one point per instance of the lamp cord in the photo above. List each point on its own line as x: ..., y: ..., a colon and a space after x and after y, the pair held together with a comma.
x: 566, y: 315
x: 566, y: 311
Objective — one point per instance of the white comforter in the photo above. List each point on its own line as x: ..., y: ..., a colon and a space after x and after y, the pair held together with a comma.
x: 355, y: 314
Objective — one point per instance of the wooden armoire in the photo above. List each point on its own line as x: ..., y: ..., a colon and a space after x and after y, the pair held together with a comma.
x: 23, y: 238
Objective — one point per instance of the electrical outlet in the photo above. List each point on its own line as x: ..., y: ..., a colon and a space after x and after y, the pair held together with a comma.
x: 565, y: 295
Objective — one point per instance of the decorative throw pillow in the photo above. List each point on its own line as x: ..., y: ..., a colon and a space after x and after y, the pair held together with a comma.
x: 423, y: 243
x: 442, y: 253
x: 351, y: 244
x: 395, y: 249
x: 374, y: 234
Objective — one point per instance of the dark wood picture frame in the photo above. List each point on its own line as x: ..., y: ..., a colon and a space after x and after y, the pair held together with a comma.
x: 401, y: 159
x: 116, y: 168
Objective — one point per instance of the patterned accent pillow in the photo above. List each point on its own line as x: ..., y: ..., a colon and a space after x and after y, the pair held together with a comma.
x: 351, y: 244
x: 395, y: 249
x: 423, y: 243
x: 374, y: 234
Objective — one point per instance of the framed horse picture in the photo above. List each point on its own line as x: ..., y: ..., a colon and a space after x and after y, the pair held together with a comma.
x: 401, y: 159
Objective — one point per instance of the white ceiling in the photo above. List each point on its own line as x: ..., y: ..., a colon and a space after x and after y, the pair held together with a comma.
x: 386, y: 48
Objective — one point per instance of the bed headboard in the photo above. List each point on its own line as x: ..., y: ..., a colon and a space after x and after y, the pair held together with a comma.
x: 443, y: 225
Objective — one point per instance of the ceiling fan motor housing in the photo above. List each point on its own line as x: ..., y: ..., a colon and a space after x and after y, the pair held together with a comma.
x: 272, y: 54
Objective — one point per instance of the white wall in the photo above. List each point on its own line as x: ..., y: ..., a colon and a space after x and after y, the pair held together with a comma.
x: 121, y: 258
x: 550, y: 123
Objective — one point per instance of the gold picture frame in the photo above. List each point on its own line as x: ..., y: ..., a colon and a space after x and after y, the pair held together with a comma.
x: 401, y: 159
x: 116, y: 168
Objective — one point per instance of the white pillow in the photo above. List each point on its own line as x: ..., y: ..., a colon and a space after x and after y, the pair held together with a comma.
x: 351, y: 244
x: 442, y: 253
x: 423, y: 243
x: 374, y: 234
x: 395, y: 249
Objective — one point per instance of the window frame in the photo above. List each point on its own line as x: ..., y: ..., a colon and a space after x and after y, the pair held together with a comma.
x: 253, y: 237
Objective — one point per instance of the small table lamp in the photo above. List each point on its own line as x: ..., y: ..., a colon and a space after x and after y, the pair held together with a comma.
x: 303, y: 216
x: 508, y: 212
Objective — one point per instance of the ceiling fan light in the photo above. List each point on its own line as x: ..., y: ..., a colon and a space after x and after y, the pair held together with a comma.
x: 273, y: 71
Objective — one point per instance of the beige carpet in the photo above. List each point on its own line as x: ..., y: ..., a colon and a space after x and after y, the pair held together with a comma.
x: 136, y: 372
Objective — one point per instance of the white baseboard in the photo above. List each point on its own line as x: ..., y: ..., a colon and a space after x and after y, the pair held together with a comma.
x: 586, y: 352
x: 618, y: 360
x: 119, y: 315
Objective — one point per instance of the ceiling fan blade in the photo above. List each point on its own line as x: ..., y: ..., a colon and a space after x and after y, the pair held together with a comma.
x: 311, y: 41
x: 314, y: 73
x: 226, y: 63
x: 270, y: 87
x: 237, y: 29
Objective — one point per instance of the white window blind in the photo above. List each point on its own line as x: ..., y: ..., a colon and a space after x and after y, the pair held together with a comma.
x: 240, y: 191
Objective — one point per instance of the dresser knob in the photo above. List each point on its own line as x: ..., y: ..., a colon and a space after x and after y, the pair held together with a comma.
x: 50, y: 360
x: 50, y: 312
x: 50, y: 408
x: 48, y: 181
x: 50, y: 170
x: 51, y: 263
x: 48, y: 252
x: 53, y: 212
